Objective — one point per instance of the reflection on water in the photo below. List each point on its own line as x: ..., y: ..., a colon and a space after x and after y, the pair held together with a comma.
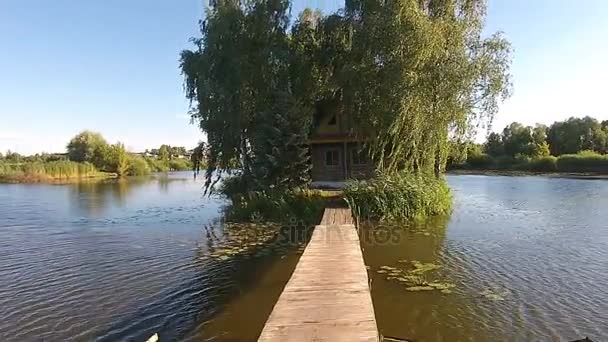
x: 527, y: 256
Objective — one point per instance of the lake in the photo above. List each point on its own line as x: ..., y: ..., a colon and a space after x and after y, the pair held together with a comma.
x: 122, y: 260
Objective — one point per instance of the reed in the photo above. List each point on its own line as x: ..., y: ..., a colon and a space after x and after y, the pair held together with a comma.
x: 398, y: 197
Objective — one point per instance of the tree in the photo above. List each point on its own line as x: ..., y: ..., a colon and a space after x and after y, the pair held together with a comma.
x: 541, y: 150
x: 414, y: 75
x: 421, y: 74
x: 539, y: 134
x: 164, y: 152
x: 117, y: 159
x: 494, y: 145
x: 518, y: 139
x: 82, y: 147
x: 575, y: 135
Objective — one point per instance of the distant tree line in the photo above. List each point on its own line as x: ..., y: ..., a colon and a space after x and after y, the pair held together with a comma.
x: 540, y: 146
x: 91, y: 152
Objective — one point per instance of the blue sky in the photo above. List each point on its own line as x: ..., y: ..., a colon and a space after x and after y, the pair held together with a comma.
x: 112, y: 66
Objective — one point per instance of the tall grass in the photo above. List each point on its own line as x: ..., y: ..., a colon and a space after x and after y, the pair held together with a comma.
x: 399, y: 197
x: 52, y: 170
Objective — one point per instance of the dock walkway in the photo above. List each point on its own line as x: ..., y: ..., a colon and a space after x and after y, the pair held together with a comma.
x: 327, y: 297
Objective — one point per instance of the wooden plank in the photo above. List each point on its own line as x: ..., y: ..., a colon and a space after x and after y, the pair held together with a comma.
x: 327, y: 298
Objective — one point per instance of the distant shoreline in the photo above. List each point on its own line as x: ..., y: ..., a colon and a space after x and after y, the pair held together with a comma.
x: 519, y: 173
x: 44, y: 179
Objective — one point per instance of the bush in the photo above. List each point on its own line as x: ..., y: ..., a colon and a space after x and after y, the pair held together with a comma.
x: 157, y: 165
x: 399, y: 197
x: 480, y: 161
x: 585, y: 161
x: 180, y: 165
x: 138, y: 166
x: 544, y: 164
x: 281, y: 206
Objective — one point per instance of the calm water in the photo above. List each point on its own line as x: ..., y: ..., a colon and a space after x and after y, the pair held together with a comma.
x: 124, y: 260
x: 528, y: 256
x: 119, y: 260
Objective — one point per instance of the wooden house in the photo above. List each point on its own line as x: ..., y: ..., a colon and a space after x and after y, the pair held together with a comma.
x: 337, y: 155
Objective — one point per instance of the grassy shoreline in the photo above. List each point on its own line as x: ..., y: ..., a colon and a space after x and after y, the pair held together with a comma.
x: 519, y: 173
x: 39, y: 178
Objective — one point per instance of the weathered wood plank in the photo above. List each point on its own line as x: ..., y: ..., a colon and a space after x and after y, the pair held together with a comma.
x: 327, y: 297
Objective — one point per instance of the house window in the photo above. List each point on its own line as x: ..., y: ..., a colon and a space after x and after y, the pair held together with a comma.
x: 332, y: 158
x: 359, y: 157
x: 332, y: 121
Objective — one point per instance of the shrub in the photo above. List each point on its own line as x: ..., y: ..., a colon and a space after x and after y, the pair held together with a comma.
x: 138, y: 166
x: 180, y: 165
x: 505, y: 162
x: 281, y: 206
x: 157, y: 165
x: 585, y: 161
x: 398, y: 197
x: 480, y: 161
x: 544, y: 164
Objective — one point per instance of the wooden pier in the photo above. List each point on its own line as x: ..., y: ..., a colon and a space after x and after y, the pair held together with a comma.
x: 328, y: 296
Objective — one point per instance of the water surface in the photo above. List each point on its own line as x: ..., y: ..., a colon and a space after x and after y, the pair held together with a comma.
x: 528, y: 256
x: 119, y: 260
x: 122, y: 260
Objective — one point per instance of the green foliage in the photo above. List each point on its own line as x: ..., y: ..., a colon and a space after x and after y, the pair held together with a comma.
x: 399, y: 197
x: 157, y: 165
x: 542, y: 164
x: 421, y: 74
x: 281, y: 206
x: 138, y: 166
x: 517, y: 139
x: 46, y: 171
x: 540, y: 150
x: 84, y: 146
x: 577, y: 134
x: 412, y: 74
x: 180, y: 165
x: 199, y: 156
x: 494, y: 145
x: 586, y: 161
x: 480, y: 161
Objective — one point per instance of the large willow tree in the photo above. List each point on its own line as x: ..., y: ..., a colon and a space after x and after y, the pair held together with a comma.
x: 413, y: 74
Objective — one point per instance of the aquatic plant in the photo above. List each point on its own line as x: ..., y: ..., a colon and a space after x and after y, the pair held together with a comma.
x: 47, y: 171
x: 416, y: 278
x: 399, y: 197
x: 298, y: 206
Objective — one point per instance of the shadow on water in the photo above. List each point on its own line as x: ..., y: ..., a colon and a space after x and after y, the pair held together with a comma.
x: 221, y: 291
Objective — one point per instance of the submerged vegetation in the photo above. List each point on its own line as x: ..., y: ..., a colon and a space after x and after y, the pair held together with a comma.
x: 399, y: 196
x: 416, y: 276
